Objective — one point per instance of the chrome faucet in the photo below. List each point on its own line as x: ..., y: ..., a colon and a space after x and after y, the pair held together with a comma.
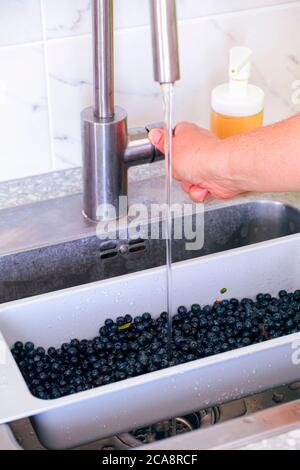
x: 109, y: 149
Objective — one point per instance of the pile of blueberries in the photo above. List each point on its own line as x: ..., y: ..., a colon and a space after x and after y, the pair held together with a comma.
x: 131, y: 347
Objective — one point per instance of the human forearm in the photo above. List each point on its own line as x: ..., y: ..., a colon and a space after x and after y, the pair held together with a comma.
x: 266, y: 159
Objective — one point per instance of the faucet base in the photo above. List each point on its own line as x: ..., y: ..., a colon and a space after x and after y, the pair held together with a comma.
x: 104, y: 144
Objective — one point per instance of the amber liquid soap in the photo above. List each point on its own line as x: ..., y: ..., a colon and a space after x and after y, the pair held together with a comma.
x: 227, y: 126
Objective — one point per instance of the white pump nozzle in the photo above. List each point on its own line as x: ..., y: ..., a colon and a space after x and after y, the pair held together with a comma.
x: 240, y: 63
x: 238, y: 98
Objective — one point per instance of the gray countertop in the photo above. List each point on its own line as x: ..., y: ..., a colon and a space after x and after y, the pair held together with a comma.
x: 59, y: 184
x: 68, y: 182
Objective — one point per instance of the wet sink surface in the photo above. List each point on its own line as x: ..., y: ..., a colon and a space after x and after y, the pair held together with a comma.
x: 89, y: 259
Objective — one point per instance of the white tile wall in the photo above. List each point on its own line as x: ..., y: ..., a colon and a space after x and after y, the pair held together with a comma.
x: 46, y: 70
x: 20, y: 21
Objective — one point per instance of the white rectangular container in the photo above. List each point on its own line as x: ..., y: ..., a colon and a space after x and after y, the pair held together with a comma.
x: 52, y: 319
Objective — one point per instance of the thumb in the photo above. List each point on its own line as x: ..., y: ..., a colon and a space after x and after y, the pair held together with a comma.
x: 157, y: 138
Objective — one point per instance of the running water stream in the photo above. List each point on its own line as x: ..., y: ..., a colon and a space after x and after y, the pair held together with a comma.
x: 167, y: 92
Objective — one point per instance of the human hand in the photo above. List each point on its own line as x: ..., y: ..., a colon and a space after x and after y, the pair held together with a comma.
x: 198, y: 162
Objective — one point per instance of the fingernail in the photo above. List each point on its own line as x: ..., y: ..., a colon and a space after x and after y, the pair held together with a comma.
x: 155, y: 136
x: 199, y: 194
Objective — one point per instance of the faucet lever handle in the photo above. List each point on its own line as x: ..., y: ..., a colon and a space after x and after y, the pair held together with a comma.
x: 140, y: 150
x: 155, y: 125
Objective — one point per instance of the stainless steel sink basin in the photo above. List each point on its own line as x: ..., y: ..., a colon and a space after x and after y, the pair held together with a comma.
x: 48, y: 246
x: 85, y: 259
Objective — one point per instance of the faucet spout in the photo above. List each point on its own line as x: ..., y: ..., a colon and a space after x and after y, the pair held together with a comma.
x: 165, y: 41
x: 103, y: 58
x: 108, y: 148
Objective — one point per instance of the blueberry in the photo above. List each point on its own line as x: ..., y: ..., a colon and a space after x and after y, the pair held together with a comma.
x: 72, y: 351
x: 55, y: 393
x: 16, y: 353
x: 234, y: 302
x: 41, y: 395
x: 141, y: 327
x: 144, y: 360
x: 18, y: 346
x: 206, y: 309
x: 267, y: 297
x: 272, y: 309
x: 156, y: 359
x: 283, y: 293
x: 104, y: 330
x: 208, y: 352
x: 216, y: 329
x: 182, y: 310
x: 40, y: 351
x: 230, y: 321
x: 43, y: 377
x: 55, y: 366
x: 35, y: 383
x: 164, y: 316
x: 290, y: 324
x: 196, y: 308
x: 106, y: 379
x: 65, y: 347
x: 246, y: 341
x: 146, y: 317
x: 138, y: 320
x: 248, y: 325
x: 120, y: 321
x: 134, y: 346
x: 225, y: 303
x: 128, y: 319
x: 260, y: 297
x: 51, y: 352
x: 186, y: 330
x: 297, y: 295
x: 29, y: 346
x: 203, y: 322
x: 176, y: 320
x: 36, y: 358
x: 109, y: 323
x: 83, y: 345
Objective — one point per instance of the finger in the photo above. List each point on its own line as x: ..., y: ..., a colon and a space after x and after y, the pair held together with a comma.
x: 157, y: 138
x: 176, y: 176
x: 181, y: 127
x: 186, y: 186
x: 198, y: 194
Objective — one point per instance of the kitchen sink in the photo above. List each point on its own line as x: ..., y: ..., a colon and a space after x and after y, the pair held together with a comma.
x: 89, y: 271
x: 54, y: 318
x: 85, y: 259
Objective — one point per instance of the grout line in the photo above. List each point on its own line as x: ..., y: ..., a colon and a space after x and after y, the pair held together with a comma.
x: 262, y: 8
x: 47, y: 78
x: 280, y: 6
x: 39, y: 42
x: 44, y: 40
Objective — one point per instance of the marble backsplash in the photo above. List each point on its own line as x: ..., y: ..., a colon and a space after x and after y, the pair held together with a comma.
x: 46, y: 69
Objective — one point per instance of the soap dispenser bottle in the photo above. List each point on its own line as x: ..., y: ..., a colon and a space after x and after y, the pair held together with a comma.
x: 237, y: 106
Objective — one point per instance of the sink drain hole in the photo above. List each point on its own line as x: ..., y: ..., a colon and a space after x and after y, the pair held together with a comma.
x: 137, y: 249
x: 110, y: 255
